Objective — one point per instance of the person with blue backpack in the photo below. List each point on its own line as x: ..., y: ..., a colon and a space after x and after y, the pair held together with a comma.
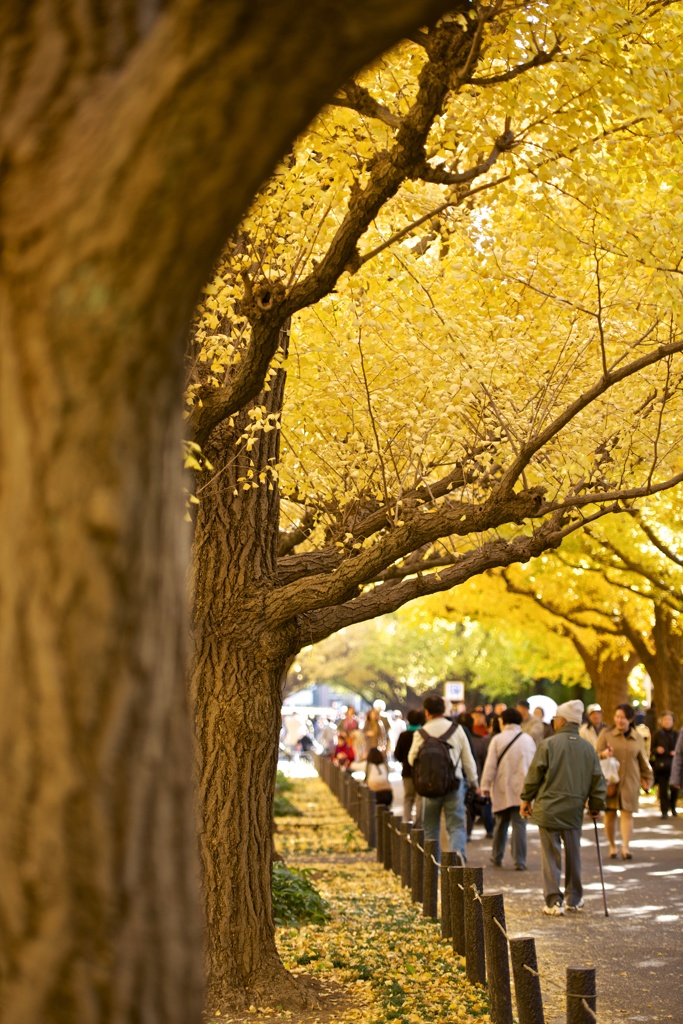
x: 443, y: 764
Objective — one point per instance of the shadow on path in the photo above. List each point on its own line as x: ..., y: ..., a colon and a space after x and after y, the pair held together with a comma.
x: 637, y: 950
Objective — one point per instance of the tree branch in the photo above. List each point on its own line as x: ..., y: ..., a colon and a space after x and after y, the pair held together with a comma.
x: 439, y: 176
x: 330, y: 558
x: 357, y: 97
x: 318, y: 624
x: 213, y: 405
x: 553, y: 609
x: 456, y: 518
x: 290, y: 539
x: 271, y: 304
x: 654, y: 538
x: 606, y: 382
x: 538, y: 60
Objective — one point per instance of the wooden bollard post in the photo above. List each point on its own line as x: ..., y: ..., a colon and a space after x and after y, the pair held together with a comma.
x: 362, y: 810
x: 396, y: 844
x: 448, y: 859
x: 388, y: 839
x: 358, y: 809
x: 527, y: 981
x: 497, y: 963
x: 369, y: 802
x: 581, y: 995
x: 406, y: 827
x: 430, y: 888
x: 417, y: 838
x: 456, y: 887
x: 379, y: 811
x: 474, y: 927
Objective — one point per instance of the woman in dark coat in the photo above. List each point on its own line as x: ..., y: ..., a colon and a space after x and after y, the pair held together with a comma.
x: 663, y: 748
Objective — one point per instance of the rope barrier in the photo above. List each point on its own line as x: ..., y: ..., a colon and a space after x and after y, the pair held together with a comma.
x: 570, y: 995
x: 476, y: 896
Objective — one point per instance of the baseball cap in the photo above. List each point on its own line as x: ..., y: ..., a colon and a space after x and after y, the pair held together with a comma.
x: 593, y: 707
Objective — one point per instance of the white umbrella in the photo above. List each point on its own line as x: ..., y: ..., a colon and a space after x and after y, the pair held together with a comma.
x: 547, y: 705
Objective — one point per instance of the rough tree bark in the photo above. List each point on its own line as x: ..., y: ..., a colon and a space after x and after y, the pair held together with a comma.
x: 237, y: 684
x: 132, y: 138
x: 609, y: 672
x: 661, y: 652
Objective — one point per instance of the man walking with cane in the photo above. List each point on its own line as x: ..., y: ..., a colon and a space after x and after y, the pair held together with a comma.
x: 564, y: 773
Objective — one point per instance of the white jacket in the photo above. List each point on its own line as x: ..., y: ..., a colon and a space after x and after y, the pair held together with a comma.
x: 377, y: 777
x: 461, y: 752
x: 506, y: 785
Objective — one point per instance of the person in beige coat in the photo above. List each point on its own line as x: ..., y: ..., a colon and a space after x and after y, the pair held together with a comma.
x: 623, y: 741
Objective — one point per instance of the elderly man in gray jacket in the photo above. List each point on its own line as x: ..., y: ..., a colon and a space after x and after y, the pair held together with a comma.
x: 564, y: 773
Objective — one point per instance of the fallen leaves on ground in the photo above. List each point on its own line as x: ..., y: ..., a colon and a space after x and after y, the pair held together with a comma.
x: 391, y: 962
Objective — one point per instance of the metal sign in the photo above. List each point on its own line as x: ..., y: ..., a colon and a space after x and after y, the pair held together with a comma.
x: 454, y: 691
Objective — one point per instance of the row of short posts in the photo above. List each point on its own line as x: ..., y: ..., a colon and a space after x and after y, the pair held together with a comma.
x: 472, y: 919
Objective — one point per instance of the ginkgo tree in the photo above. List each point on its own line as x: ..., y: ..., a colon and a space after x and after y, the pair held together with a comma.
x: 549, y: 598
x: 622, y: 585
x: 399, y: 657
x: 470, y: 350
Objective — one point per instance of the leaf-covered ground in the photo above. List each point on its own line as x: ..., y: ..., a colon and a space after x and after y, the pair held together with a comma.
x: 377, y: 961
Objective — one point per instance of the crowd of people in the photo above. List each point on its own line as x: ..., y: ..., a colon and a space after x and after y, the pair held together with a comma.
x: 507, y: 765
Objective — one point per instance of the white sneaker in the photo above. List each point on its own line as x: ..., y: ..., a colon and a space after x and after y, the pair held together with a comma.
x: 575, y: 906
x: 557, y: 910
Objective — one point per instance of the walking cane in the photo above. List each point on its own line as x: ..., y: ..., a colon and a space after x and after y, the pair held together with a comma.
x: 602, y: 873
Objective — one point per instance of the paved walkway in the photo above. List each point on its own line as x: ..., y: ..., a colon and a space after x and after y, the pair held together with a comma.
x: 637, y: 950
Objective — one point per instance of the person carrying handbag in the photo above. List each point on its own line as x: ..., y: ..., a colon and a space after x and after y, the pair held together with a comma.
x: 508, y: 759
x: 624, y: 742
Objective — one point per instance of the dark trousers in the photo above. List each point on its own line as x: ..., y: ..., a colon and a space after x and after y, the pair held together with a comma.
x: 668, y: 795
x: 551, y: 864
x: 384, y: 796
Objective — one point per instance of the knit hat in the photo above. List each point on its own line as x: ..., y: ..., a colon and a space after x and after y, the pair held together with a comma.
x: 571, y: 711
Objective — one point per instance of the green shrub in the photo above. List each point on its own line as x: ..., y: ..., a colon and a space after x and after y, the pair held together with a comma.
x: 282, y: 783
x: 283, y: 807
x: 296, y: 901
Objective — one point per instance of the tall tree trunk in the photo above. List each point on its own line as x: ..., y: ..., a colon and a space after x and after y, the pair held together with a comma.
x: 132, y: 138
x: 608, y: 672
x: 237, y: 686
x: 610, y: 681
x: 98, y: 878
x: 666, y: 667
